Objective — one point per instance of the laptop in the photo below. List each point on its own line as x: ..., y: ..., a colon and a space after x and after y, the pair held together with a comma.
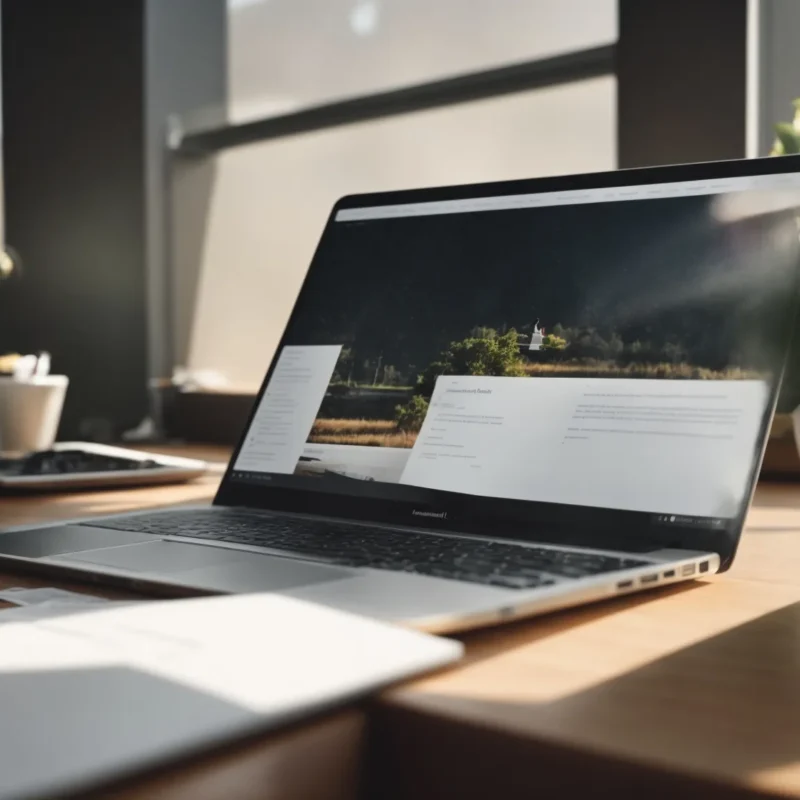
x: 494, y: 401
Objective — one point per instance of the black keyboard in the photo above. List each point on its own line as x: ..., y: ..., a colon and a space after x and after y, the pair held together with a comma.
x: 351, y: 545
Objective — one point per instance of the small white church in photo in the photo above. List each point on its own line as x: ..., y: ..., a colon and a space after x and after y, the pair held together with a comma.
x: 537, y: 337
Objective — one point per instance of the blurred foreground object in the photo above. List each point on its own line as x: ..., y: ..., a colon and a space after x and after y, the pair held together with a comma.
x: 10, y: 264
x: 30, y: 411
x: 197, y: 674
x: 8, y: 363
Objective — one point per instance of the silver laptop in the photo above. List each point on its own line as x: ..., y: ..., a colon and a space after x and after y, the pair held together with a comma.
x: 494, y: 401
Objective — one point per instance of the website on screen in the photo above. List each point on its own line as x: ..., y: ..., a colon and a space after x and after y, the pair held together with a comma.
x: 613, y: 348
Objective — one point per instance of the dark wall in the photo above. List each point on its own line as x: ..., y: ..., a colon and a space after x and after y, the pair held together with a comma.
x: 681, y: 68
x: 681, y: 71
x: 73, y: 152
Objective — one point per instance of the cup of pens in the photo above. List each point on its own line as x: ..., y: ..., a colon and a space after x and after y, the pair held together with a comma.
x: 31, y: 400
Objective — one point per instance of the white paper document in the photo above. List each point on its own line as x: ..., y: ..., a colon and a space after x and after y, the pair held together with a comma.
x: 287, y: 410
x: 679, y: 447
x: 100, y: 693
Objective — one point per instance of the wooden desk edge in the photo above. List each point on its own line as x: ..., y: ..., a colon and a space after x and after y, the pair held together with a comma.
x: 421, y: 751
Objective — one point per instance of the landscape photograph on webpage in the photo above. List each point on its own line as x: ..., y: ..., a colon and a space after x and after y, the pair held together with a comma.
x: 678, y: 289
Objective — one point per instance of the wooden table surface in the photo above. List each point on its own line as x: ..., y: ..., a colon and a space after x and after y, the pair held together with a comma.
x: 692, y: 691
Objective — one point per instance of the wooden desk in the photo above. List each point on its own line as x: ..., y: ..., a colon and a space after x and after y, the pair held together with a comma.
x: 692, y: 692
x: 321, y: 759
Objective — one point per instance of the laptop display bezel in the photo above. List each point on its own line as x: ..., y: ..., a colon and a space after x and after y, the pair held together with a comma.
x: 502, y: 518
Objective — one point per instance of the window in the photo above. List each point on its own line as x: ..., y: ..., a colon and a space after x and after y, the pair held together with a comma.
x: 286, y: 54
x: 270, y: 200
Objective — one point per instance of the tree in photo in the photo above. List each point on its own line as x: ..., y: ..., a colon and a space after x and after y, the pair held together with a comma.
x: 411, y: 415
x: 344, y: 366
x: 553, y: 342
x: 489, y: 354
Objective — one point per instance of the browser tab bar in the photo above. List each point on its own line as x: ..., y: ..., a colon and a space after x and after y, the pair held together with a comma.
x: 571, y: 197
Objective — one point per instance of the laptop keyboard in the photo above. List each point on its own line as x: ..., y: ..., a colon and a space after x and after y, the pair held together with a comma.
x: 475, y: 561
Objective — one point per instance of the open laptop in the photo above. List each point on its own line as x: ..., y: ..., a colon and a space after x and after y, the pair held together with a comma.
x: 497, y: 400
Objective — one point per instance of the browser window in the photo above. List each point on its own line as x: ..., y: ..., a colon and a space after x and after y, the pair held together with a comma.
x: 612, y: 348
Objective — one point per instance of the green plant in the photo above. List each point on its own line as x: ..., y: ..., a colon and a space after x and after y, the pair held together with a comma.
x: 787, y: 135
x: 554, y: 342
x: 787, y: 142
x: 409, y: 417
x: 490, y: 354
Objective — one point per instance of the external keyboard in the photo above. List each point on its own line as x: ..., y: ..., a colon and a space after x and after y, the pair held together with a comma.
x: 351, y: 545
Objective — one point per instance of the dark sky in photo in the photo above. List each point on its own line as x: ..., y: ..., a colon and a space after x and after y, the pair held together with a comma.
x: 663, y: 270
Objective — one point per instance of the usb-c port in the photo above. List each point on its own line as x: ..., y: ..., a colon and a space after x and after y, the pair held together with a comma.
x: 670, y: 573
x: 625, y: 585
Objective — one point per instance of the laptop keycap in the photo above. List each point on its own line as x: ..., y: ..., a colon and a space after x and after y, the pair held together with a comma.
x: 475, y: 561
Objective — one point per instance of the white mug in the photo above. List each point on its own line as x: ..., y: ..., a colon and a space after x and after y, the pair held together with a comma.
x: 30, y: 411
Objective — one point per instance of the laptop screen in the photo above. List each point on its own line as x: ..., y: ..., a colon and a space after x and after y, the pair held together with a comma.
x: 612, y: 348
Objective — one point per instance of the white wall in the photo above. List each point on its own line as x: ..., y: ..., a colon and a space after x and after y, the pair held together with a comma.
x: 269, y: 201
x: 288, y: 53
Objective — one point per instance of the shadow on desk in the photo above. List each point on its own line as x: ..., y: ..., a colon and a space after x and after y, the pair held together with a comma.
x: 724, y: 711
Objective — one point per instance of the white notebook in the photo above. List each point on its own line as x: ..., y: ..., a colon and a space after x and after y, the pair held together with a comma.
x: 99, y: 694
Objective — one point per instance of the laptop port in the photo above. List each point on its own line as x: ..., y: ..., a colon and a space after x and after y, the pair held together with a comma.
x: 670, y: 573
x: 625, y: 585
x: 687, y: 569
x: 648, y: 579
x: 704, y: 566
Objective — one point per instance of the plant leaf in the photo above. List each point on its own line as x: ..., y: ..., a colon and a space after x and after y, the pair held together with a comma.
x: 788, y: 137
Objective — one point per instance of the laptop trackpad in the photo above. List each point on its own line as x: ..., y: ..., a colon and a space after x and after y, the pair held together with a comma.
x: 212, y: 568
